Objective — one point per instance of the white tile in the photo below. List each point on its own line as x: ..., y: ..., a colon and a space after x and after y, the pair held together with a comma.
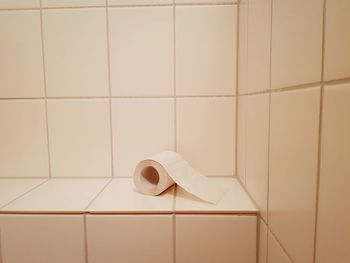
x: 242, y: 138
x: 259, y: 44
x: 80, y: 139
x: 11, y: 189
x: 206, y: 134
x: 337, y: 40
x: 139, y: 2
x: 130, y: 238
x: 206, y: 50
x: 276, y: 253
x: 333, y: 229
x: 243, y: 47
x: 263, y: 235
x: 235, y: 201
x: 9, y: 4
x: 120, y: 196
x: 42, y: 238
x: 142, y: 51
x: 21, y: 63
x: 23, y: 139
x: 215, y: 238
x: 296, y: 42
x: 257, y: 145
x: 75, y: 42
x: 72, y: 3
x: 293, y: 170
x: 59, y: 195
x: 141, y: 128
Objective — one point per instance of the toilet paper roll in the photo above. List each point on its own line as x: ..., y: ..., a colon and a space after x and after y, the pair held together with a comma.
x: 156, y: 174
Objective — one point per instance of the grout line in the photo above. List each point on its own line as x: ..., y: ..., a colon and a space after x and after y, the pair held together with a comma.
x: 237, y: 100
x: 110, y: 92
x: 174, y: 76
x: 97, y: 195
x: 318, y: 178
x: 25, y: 193
x: 174, y: 224
x: 45, y: 92
x: 257, y: 250
x: 1, y: 261
x: 280, y: 244
x: 85, y: 240
x: 337, y: 81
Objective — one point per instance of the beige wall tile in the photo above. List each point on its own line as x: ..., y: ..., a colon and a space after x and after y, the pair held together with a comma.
x: 257, y: 144
x: 9, y: 4
x: 23, y: 139
x: 21, y: 63
x: 142, y: 51
x: 333, y: 229
x: 42, y: 238
x: 293, y: 170
x: 130, y: 238
x: 337, y: 40
x: 259, y: 44
x: 197, y: 239
x: 296, y: 42
x: 75, y: 42
x: 80, y: 139
x: 203, y: 1
x: 263, y: 235
x: 206, y: 50
x: 243, y: 47
x: 72, y: 3
x: 141, y: 128
x: 242, y: 138
x: 139, y: 2
x: 206, y: 134
x: 275, y: 252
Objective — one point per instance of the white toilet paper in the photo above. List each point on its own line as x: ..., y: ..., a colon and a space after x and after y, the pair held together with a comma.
x: 156, y: 174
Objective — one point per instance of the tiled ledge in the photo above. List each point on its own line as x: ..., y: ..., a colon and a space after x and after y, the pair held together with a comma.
x: 112, y: 196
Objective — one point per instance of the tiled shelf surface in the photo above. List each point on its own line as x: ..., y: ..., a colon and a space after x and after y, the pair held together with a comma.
x: 113, y: 196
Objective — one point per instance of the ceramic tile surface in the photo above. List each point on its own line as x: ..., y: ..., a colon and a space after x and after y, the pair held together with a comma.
x: 9, y: 4
x: 276, y: 253
x: 75, y: 42
x: 235, y: 200
x: 242, y: 138
x: 142, y: 51
x: 263, y: 235
x: 120, y: 196
x: 138, y: 2
x: 243, y: 47
x: 10, y: 189
x: 21, y: 64
x: 206, y: 134
x: 333, y: 229
x: 59, y: 195
x: 205, y: 50
x: 141, y: 128
x: 111, y: 237
x: 23, y: 139
x: 42, y: 238
x: 293, y: 170
x: 197, y: 239
x: 72, y: 3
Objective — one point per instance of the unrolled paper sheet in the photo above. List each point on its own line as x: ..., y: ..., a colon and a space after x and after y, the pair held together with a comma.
x: 156, y: 174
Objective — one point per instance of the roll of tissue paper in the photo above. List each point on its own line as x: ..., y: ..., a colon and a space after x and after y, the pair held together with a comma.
x: 156, y: 174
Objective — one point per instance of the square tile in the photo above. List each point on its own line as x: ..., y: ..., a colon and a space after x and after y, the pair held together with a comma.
x: 215, y: 238
x: 257, y: 150
x: 59, y: 196
x: 259, y: 44
x: 276, y: 253
x: 75, y: 42
x: 242, y: 138
x: 243, y: 47
x: 333, y: 229
x: 206, y: 50
x: 11, y: 189
x: 80, y: 139
x: 142, y: 51
x: 263, y: 235
x: 21, y: 63
x: 337, y: 40
x: 9, y: 4
x: 141, y: 128
x: 235, y: 201
x: 138, y: 2
x: 293, y: 170
x: 110, y: 238
x: 72, y: 3
x: 120, y: 196
x: 206, y: 134
x: 23, y: 139
x: 296, y: 42
x: 42, y: 238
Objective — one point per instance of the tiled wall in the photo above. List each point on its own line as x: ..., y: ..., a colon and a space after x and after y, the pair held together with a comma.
x: 89, y: 87
x: 293, y: 142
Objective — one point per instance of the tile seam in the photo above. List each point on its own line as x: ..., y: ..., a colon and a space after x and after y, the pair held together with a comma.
x: 281, y: 246
x: 174, y: 76
x: 236, y: 90
x: 86, y: 254
x: 97, y: 195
